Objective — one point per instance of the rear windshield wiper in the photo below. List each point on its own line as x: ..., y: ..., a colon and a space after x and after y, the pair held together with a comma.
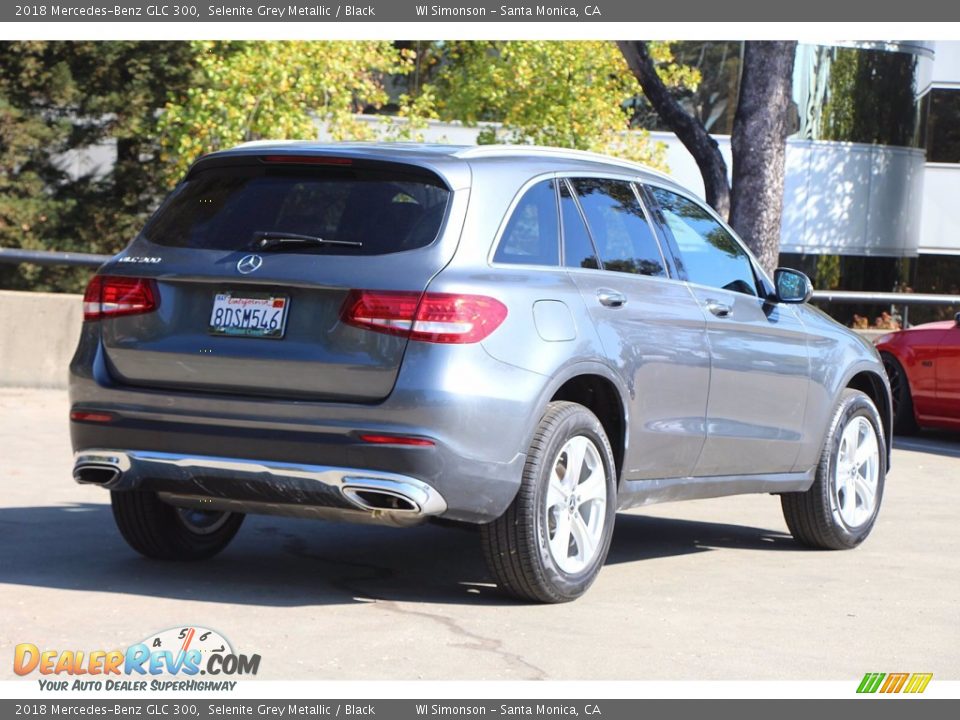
x: 278, y: 240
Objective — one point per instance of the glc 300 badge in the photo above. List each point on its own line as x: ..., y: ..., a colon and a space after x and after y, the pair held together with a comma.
x: 249, y: 264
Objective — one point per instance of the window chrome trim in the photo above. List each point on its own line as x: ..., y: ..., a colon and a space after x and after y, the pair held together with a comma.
x: 586, y: 226
x: 653, y: 230
x: 632, y: 182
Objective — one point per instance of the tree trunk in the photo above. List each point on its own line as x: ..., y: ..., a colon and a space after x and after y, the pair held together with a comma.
x: 689, y: 129
x: 759, y: 145
x: 126, y: 166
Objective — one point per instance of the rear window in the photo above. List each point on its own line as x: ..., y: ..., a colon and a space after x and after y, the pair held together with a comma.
x: 357, y: 211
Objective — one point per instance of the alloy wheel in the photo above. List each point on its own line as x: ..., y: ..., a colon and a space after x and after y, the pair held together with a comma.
x: 857, y: 472
x: 202, y: 522
x: 575, y: 505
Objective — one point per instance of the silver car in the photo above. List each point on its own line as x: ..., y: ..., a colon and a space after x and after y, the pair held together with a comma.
x: 524, y: 339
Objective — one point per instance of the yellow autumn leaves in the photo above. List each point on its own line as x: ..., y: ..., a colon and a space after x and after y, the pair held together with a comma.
x: 570, y: 94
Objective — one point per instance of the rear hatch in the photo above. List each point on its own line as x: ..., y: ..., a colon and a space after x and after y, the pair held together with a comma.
x: 251, y: 260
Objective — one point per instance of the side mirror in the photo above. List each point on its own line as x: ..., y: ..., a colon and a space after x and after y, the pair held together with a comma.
x: 792, y: 286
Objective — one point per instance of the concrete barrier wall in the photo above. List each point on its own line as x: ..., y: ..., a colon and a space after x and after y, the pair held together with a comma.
x: 38, y: 334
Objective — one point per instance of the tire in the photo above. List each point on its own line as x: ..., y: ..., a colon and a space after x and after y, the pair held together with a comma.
x: 530, y: 548
x: 838, y: 511
x: 904, y: 419
x: 163, y: 532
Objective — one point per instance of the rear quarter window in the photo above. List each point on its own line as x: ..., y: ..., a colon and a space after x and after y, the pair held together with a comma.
x: 532, y: 235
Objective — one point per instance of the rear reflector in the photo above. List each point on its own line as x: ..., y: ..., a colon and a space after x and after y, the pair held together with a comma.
x: 397, y: 440
x: 430, y: 317
x: 111, y: 296
x: 90, y: 416
x: 305, y: 160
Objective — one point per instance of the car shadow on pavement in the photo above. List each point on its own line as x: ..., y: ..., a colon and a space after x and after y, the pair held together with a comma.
x: 932, y: 442
x: 640, y: 537
x: 281, y: 562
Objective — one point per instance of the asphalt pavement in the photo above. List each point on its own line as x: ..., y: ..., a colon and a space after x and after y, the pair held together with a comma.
x: 704, y: 590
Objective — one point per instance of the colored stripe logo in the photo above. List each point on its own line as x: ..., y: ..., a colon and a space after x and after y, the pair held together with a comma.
x: 894, y: 683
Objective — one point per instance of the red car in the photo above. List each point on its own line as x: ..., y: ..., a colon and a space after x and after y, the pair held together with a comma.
x: 924, y: 368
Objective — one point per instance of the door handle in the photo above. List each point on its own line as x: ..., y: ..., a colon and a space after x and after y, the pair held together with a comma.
x: 611, y: 298
x: 719, y: 309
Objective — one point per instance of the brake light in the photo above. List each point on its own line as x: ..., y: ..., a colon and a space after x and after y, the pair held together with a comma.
x: 305, y: 160
x: 111, y: 296
x: 90, y: 416
x: 428, y: 317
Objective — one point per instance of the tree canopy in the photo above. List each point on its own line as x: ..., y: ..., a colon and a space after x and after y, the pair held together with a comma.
x: 246, y: 91
x: 575, y: 94
x: 60, y: 97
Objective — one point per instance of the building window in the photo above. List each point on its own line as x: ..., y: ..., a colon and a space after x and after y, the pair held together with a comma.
x: 856, y: 95
x: 942, y: 126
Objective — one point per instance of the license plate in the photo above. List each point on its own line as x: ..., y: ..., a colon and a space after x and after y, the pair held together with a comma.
x: 249, y: 315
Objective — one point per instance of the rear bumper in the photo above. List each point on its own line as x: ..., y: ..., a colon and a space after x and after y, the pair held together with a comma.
x: 220, y: 483
x: 265, y: 469
x: 480, y: 429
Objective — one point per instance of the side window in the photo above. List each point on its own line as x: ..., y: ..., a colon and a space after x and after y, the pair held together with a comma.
x: 578, y: 249
x: 532, y: 236
x: 619, y: 226
x: 710, y: 254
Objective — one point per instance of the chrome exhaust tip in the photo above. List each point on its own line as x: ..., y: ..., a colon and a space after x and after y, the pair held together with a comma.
x: 99, y: 468
x: 394, y: 496
x: 96, y: 474
x: 374, y: 499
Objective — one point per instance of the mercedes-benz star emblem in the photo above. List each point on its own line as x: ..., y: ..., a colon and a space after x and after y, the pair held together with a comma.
x: 249, y: 264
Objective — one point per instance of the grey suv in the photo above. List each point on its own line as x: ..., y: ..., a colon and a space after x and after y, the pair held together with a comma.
x: 525, y: 339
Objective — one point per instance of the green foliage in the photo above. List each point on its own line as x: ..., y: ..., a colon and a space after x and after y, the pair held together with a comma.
x: 254, y: 90
x: 828, y: 272
x: 59, y: 96
x: 568, y: 94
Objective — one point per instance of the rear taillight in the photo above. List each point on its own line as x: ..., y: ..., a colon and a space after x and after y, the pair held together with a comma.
x: 111, y: 296
x: 429, y: 317
x: 386, y: 312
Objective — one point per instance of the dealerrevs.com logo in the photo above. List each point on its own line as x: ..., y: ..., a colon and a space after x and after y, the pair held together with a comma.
x: 167, y: 660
